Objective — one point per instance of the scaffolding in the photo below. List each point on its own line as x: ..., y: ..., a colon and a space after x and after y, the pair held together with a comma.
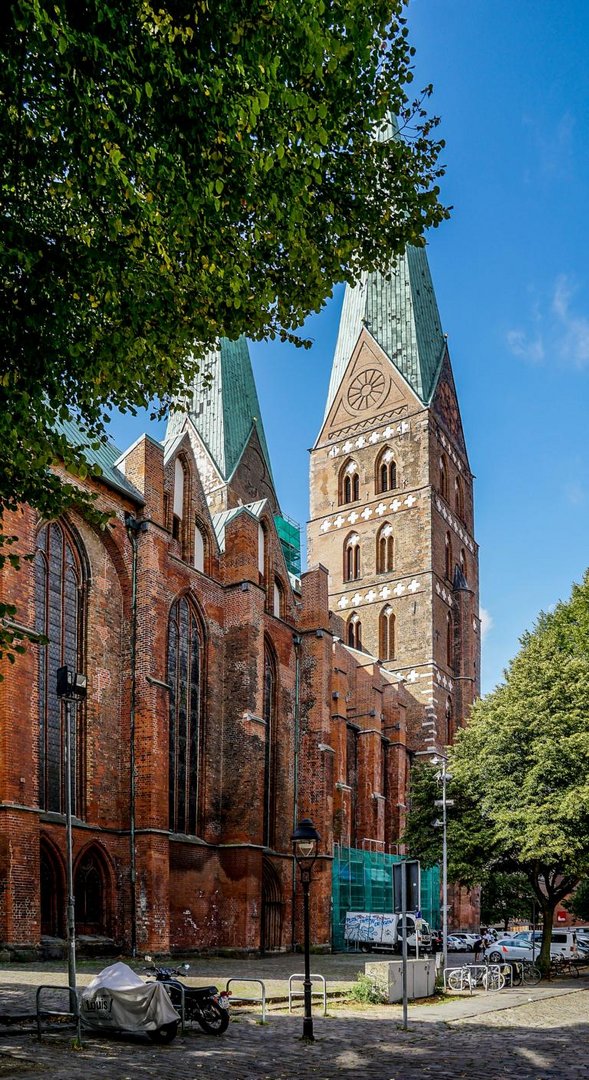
x: 289, y: 534
x: 363, y: 881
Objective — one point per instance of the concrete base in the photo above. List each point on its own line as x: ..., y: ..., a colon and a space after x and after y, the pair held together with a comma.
x: 388, y: 976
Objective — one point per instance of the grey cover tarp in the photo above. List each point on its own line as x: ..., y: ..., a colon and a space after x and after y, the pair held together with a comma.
x: 118, y: 998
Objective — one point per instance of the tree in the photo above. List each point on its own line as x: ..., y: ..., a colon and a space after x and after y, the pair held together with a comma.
x: 578, y: 903
x: 521, y: 768
x: 505, y: 897
x: 176, y: 172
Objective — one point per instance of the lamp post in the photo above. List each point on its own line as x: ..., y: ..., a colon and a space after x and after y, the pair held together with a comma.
x: 443, y: 776
x: 304, y: 841
x: 71, y: 688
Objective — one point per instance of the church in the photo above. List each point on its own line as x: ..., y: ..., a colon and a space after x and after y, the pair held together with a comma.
x: 229, y: 695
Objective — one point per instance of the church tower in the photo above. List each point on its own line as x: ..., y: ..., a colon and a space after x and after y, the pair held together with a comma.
x: 392, y: 499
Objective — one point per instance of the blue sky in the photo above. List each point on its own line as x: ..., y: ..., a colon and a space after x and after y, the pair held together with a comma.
x: 511, y: 274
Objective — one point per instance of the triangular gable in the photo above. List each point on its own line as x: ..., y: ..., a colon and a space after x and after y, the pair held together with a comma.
x: 445, y: 405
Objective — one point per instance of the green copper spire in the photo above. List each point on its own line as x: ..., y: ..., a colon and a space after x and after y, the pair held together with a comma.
x: 224, y: 411
x: 401, y: 314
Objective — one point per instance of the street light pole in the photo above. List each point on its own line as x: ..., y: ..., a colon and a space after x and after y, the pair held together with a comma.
x: 71, y: 688
x: 443, y: 776
x: 304, y: 840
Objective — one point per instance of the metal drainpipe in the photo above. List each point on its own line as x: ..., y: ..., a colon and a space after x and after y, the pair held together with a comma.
x: 134, y: 527
x: 295, y: 804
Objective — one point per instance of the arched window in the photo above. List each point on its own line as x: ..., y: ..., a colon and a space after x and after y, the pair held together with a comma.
x: 352, y: 557
x: 184, y: 676
x: 354, y: 631
x: 278, y: 600
x: 178, y: 512
x: 449, y: 722
x: 385, y: 549
x: 463, y: 564
x: 349, y: 483
x: 448, y: 557
x: 262, y: 548
x: 450, y: 640
x: 443, y: 477
x: 386, y: 471
x: 386, y: 635
x: 269, y: 717
x: 60, y: 615
x: 93, y: 892
x: 199, y: 549
x: 459, y: 497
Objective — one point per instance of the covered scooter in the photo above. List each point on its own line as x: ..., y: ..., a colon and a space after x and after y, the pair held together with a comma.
x: 118, y: 1000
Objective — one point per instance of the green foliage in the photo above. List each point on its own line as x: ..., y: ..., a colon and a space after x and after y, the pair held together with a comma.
x: 504, y: 897
x: 176, y: 172
x: 578, y: 903
x: 366, y: 992
x: 521, y: 767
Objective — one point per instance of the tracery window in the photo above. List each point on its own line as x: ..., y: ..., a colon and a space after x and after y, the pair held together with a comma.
x: 199, y: 549
x: 386, y: 627
x: 60, y: 615
x: 352, y: 557
x: 184, y: 676
x: 349, y: 483
x: 386, y: 471
x: 443, y: 477
x: 463, y: 564
x: 278, y: 599
x: 459, y: 498
x: 354, y: 631
x: 450, y: 640
x: 385, y: 549
x: 448, y: 557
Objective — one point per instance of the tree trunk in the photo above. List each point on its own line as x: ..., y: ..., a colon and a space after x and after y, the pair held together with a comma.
x: 543, y: 960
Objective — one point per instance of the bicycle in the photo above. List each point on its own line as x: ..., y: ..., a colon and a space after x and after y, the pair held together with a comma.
x: 562, y: 965
x: 470, y: 976
x: 524, y: 973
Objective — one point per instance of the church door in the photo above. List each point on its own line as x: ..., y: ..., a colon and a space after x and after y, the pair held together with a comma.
x: 272, y: 909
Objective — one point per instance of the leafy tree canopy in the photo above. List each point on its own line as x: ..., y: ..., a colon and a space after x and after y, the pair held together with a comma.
x: 520, y: 769
x: 176, y: 172
x: 578, y: 903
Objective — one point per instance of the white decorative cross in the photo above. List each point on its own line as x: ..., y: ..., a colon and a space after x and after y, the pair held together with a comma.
x: 339, y: 521
x: 399, y: 589
x: 385, y: 592
x: 413, y: 587
x: 410, y: 500
x: 356, y: 599
x: 370, y: 596
x: 360, y: 442
x: 404, y: 427
x: 366, y: 513
x: 412, y: 676
x: 353, y: 517
x: 380, y: 509
x: 395, y: 505
x: 326, y: 525
x: 374, y: 437
x: 388, y: 431
x: 343, y: 601
x: 334, y: 451
x: 347, y: 447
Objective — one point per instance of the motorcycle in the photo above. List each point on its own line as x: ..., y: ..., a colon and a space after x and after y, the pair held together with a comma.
x: 117, y: 1000
x: 205, y: 1005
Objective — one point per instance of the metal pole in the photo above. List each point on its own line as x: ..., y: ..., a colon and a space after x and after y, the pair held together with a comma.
x: 404, y: 940
x: 444, y: 873
x: 308, y: 1019
x: 71, y: 916
x: 533, y: 931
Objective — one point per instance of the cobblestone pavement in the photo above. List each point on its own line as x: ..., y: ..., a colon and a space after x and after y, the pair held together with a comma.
x: 537, y: 1040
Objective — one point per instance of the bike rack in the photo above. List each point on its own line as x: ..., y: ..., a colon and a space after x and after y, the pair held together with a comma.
x: 300, y: 993
x: 470, y: 970
x: 75, y: 1014
x: 246, y: 997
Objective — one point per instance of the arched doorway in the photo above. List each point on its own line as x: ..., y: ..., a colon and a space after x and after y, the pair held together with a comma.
x: 93, y: 894
x: 52, y: 892
x: 272, y: 909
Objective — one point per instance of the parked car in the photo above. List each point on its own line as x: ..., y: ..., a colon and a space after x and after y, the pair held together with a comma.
x: 563, y: 943
x: 508, y: 949
x: 458, y: 944
x: 468, y: 937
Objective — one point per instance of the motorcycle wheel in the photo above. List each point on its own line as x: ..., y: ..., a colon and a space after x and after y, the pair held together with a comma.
x: 213, y: 1019
x: 164, y: 1034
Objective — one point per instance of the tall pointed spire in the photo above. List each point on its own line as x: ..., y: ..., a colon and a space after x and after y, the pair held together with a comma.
x: 401, y: 313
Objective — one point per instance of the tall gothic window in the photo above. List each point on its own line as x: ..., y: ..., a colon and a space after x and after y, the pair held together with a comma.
x: 450, y: 640
x: 60, y: 614
x: 449, y: 721
x: 443, y: 477
x: 448, y: 557
x: 354, y: 631
x: 385, y: 549
x: 386, y: 471
x: 463, y: 564
x: 459, y: 498
x: 269, y: 717
x: 386, y: 628
x: 349, y: 483
x: 352, y: 557
x: 185, y: 661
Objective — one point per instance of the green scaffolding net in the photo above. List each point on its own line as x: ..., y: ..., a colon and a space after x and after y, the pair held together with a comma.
x: 363, y: 881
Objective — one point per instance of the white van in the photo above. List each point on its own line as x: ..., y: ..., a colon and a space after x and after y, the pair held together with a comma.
x: 563, y: 942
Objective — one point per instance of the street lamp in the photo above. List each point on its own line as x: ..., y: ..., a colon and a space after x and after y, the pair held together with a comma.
x: 304, y: 841
x: 443, y: 776
x: 71, y: 688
